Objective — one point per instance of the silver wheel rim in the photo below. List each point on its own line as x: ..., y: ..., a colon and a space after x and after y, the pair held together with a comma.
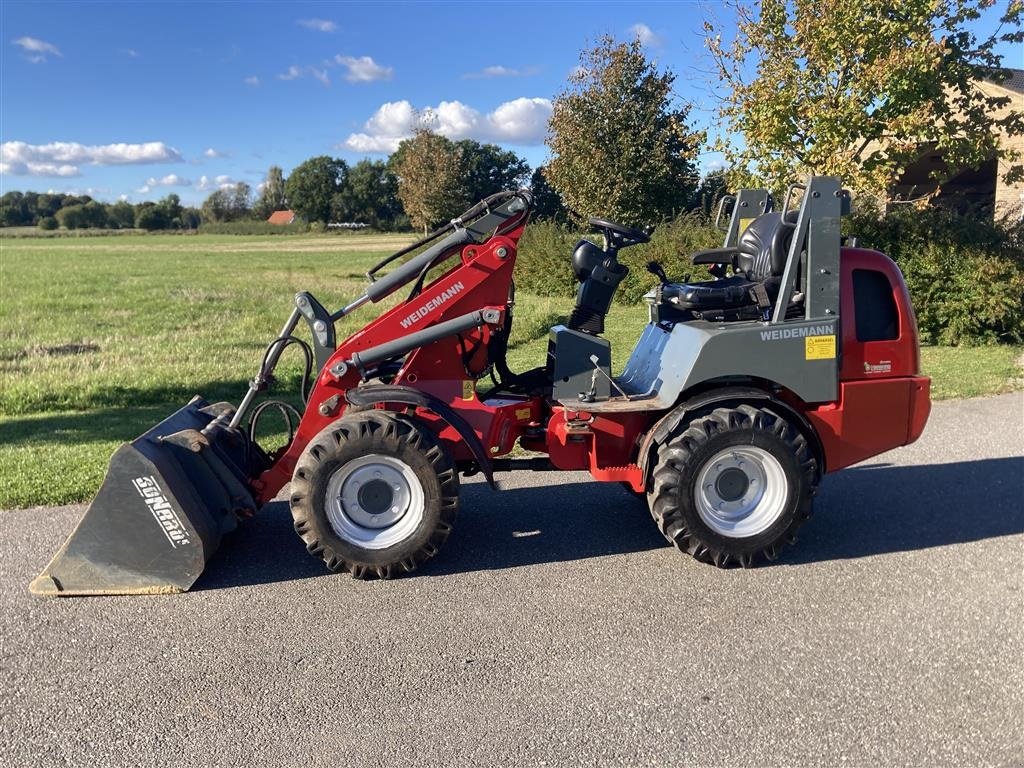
x: 741, y: 491
x: 374, y: 501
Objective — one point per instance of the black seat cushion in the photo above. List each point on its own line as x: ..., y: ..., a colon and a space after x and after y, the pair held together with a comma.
x: 759, y: 255
x: 725, y: 293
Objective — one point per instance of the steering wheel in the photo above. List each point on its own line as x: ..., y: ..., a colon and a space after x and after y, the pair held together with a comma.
x: 624, y: 235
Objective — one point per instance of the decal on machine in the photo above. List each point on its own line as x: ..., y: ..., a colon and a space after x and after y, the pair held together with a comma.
x: 161, y: 510
x: 441, y: 298
x: 780, y: 334
x: 819, y: 347
x: 882, y: 366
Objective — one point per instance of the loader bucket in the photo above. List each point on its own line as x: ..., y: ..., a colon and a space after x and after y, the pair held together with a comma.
x: 168, y: 498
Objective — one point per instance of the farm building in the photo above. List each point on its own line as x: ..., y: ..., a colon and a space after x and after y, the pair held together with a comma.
x: 982, y: 186
x: 282, y: 217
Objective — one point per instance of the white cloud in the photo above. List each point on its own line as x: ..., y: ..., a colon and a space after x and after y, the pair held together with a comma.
x: 213, y: 154
x: 293, y: 73
x: 392, y: 122
x: 40, y: 48
x: 63, y: 158
x: 38, y: 169
x: 170, y: 180
x: 252, y: 80
x: 500, y: 71
x: 223, y: 181
x: 363, y: 69
x: 520, y: 121
x: 321, y: 75
x: 646, y: 35
x: 320, y: 25
x: 131, y: 53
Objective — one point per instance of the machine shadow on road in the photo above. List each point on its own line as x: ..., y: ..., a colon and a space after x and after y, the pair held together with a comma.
x: 494, y: 530
x: 880, y: 509
x: 869, y: 510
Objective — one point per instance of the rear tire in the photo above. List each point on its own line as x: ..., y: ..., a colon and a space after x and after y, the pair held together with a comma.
x: 374, y: 494
x: 733, y: 485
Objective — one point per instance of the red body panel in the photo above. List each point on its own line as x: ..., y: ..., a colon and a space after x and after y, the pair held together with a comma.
x: 883, y: 401
x: 479, y: 280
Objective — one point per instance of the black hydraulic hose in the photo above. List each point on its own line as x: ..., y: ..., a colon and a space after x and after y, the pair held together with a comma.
x: 286, y: 341
x: 285, y: 409
x: 484, y: 206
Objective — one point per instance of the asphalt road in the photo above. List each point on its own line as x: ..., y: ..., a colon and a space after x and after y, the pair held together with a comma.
x: 557, y: 628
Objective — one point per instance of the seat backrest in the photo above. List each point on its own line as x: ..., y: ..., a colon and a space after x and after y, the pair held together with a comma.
x: 764, y: 246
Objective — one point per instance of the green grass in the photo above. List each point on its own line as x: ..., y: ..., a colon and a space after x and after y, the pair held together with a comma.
x: 102, y: 337
x: 973, y: 371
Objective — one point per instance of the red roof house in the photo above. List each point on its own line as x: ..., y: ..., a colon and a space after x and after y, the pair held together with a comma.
x: 281, y: 217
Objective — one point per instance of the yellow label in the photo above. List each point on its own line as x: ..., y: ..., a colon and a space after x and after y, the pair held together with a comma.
x: 522, y: 413
x: 468, y: 390
x: 744, y: 223
x: 819, y: 347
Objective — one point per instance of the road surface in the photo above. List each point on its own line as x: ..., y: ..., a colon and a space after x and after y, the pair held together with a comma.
x: 557, y: 628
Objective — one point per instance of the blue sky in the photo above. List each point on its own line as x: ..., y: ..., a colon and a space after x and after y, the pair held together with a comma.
x: 143, y: 99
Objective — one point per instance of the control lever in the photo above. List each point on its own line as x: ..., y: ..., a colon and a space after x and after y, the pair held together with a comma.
x: 589, y: 396
x: 657, y: 270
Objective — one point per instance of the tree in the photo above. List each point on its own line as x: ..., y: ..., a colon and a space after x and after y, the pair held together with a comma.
x: 190, y: 218
x: 83, y: 216
x: 311, y: 187
x: 121, y: 215
x: 428, y: 168
x: 621, y: 145
x: 487, y: 168
x: 151, y: 217
x: 231, y: 203
x: 272, y: 198
x: 855, y: 89
x: 712, y: 187
x: 171, y: 208
x: 370, y: 195
x: 546, y: 202
x: 13, y: 210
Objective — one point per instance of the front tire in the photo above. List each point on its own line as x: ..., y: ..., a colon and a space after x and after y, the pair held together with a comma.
x: 374, y: 494
x: 733, y: 485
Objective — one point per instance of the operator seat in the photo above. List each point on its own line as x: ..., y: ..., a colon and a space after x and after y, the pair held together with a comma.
x: 758, y: 258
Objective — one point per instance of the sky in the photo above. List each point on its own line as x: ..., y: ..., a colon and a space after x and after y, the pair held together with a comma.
x: 137, y: 100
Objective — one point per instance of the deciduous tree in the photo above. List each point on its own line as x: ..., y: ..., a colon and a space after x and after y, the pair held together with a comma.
x: 855, y: 89
x: 272, y: 197
x: 621, y: 145
x: 428, y: 168
x: 546, y: 202
x: 311, y: 187
x: 487, y: 168
x: 370, y: 195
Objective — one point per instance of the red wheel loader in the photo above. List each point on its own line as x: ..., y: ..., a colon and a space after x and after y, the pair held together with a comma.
x: 798, y: 359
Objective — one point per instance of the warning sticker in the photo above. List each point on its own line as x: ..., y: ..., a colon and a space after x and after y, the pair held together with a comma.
x: 468, y: 390
x: 522, y: 413
x: 819, y: 347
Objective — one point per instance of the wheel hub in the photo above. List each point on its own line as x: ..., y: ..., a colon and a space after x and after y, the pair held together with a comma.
x: 732, y: 484
x: 374, y: 501
x: 741, y: 491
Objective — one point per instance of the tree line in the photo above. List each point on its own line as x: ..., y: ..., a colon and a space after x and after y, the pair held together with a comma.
x: 811, y: 87
x: 49, y: 211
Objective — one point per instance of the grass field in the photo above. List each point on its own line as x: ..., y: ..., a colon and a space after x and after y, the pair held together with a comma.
x: 102, y: 337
